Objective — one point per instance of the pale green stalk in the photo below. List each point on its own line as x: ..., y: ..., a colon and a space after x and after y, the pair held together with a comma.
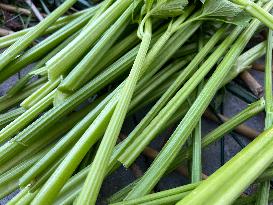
x: 258, y: 151
x: 45, y: 46
x: 84, y: 68
x: 262, y: 198
x: 159, y: 195
x: 8, y: 117
x: 8, y: 55
x: 119, y: 49
x: 172, y: 90
x: 22, y: 150
x: 24, y: 119
x: 8, y: 102
x: 175, y: 143
x: 66, y: 142
x: 34, y: 98
x: 27, y: 199
x: 161, y: 76
x: 66, y: 58
x: 196, y: 168
x: 49, y: 191
x: 151, y: 131
x: 41, y: 179
x: 18, y: 170
x: 77, y: 180
x: 81, y: 148
x: 236, y: 175
x: 10, y: 39
x: 97, y: 171
x: 33, y: 131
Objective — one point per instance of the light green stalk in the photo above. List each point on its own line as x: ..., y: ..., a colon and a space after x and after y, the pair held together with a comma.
x: 6, y: 118
x: 98, y: 169
x: 76, y: 77
x: 45, y: 46
x: 40, y: 94
x: 62, y: 21
x: 66, y: 142
x: 170, y: 92
x: 236, y: 175
x: 8, y: 55
x: 173, y: 146
x: 196, y: 169
x: 180, y: 96
x: 262, y: 198
x: 24, y: 119
x: 75, y: 183
x: 66, y: 58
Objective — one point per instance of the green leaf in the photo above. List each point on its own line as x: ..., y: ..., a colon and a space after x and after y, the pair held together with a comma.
x: 169, y: 8
x: 224, y: 10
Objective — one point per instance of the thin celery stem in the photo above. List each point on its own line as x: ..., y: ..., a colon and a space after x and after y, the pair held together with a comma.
x: 26, y: 118
x: 70, y: 163
x: 244, y: 115
x: 77, y: 76
x: 17, y: 171
x: 35, y: 32
x: 40, y: 94
x: 172, y: 105
x: 47, y: 120
x: 264, y: 187
x: 51, y: 54
x: 240, y: 171
x: 8, y: 117
x: 71, y: 156
x: 197, y: 136
x: 98, y: 169
x: 77, y: 152
x: 27, y: 199
x: 18, y: 86
x: 119, y: 49
x: 158, y: 80
x: 21, y: 151
x: 223, y: 129
x: 85, y: 39
x: 268, y: 83
x: 171, y: 91
x: 45, y: 46
x: 186, y: 126
x: 8, y: 188
x: 12, y: 101
x: 105, y: 5
x: 58, y: 24
x: 65, y: 142
x: 44, y: 176
x: 263, y: 193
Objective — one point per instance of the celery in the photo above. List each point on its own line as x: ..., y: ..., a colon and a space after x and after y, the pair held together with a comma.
x: 24, y: 41
x: 84, y: 40
x: 264, y: 188
x: 173, y: 146
x: 87, y: 64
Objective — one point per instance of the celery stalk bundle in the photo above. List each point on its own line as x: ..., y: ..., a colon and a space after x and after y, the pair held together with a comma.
x: 62, y: 123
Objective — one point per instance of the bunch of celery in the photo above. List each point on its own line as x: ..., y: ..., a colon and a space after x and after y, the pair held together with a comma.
x: 62, y: 122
